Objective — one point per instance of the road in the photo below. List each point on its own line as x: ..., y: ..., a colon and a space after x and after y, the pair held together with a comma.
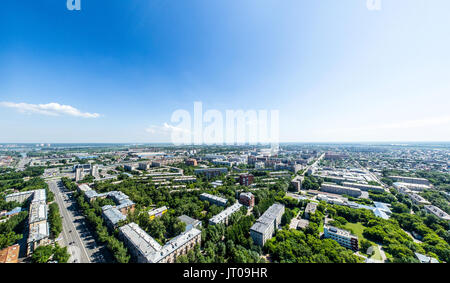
x: 314, y: 164
x: 375, y: 177
x: 79, y: 240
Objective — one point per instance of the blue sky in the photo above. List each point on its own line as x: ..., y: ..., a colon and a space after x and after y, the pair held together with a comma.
x: 335, y: 70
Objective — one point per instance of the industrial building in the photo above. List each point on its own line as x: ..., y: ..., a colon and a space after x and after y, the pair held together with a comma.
x: 341, y: 190
x: 363, y: 187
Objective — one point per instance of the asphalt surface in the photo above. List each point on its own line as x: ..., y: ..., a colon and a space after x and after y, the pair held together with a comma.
x: 76, y: 235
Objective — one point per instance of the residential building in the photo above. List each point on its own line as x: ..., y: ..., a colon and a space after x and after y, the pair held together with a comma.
x: 437, y: 211
x: 363, y: 187
x: 310, y: 209
x: 191, y: 162
x: 224, y: 216
x: 214, y: 199
x: 146, y: 250
x: 211, y: 172
x: 246, y: 179
x: 297, y: 183
x: 144, y: 166
x: 267, y: 224
x: 343, y: 237
x: 418, y: 199
x: 247, y: 199
x: 157, y: 212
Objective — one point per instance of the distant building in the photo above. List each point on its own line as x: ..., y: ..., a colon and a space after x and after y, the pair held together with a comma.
x: 411, y: 180
x: 247, y: 199
x: 363, y: 187
x: 79, y: 174
x: 343, y: 237
x: 157, y: 212
x: 128, y: 167
x: 211, y: 172
x: 85, y: 167
x: 185, y: 179
x: 297, y: 183
x: 266, y: 225
x: 144, y: 166
x: 191, y: 162
x: 94, y: 171
x: 437, y: 211
x: 341, y: 190
x: 259, y: 165
x: 246, y: 179
x: 214, y: 199
x: 418, y: 199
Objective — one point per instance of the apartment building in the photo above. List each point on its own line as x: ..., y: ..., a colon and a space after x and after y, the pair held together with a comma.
x: 343, y: 237
x: 224, y: 216
x: 267, y: 224
x: 145, y: 249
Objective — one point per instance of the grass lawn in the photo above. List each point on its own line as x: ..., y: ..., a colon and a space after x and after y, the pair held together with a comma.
x: 321, y: 227
x: 377, y: 254
x: 357, y: 229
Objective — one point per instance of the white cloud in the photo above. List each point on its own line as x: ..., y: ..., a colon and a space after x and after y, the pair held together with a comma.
x: 165, y: 129
x: 50, y: 109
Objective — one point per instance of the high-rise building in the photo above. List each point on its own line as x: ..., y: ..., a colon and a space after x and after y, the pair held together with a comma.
x: 94, y: 171
x: 79, y: 174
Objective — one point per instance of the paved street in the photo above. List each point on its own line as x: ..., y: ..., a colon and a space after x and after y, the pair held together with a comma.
x: 75, y: 235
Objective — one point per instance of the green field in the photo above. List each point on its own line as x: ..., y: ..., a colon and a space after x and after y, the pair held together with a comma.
x: 357, y: 229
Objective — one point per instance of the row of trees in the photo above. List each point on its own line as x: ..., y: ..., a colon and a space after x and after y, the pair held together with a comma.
x: 292, y: 246
x: 11, y: 230
x: 43, y: 254
x: 93, y: 216
x: 55, y: 221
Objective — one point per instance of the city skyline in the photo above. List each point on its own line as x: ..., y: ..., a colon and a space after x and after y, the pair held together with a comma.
x: 337, y: 72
